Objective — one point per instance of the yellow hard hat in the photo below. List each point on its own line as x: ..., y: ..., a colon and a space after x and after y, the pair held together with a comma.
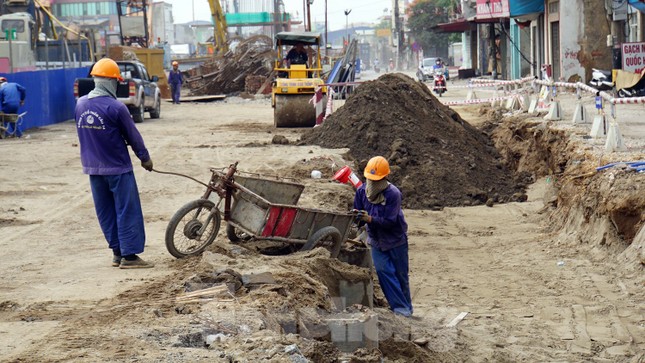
x: 106, y: 68
x: 377, y: 168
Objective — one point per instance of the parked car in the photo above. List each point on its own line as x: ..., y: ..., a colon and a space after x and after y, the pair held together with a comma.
x: 426, y: 72
x: 138, y: 90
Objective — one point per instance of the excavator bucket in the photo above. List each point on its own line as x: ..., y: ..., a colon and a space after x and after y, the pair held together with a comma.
x: 294, y: 110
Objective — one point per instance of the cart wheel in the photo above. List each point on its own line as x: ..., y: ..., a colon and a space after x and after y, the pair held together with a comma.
x: 182, y: 233
x: 235, y: 235
x: 328, y: 237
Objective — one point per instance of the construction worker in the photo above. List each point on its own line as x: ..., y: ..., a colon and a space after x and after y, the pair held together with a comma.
x: 105, y: 129
x: 175, y: 79
x: 12, y: 96
x: 297, y: 55
x: 378, y: 205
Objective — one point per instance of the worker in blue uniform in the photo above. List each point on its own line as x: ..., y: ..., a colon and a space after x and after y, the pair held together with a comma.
x: 12, y: 96
x: 378, y: 205
x: 105, y: 129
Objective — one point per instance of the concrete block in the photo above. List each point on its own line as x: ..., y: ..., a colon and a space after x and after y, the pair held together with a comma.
x: 512, y: 104
x: 615, y: 140
x: 599, y: 127
x: 580, y: 114
x: 524, y: 102
x: 555, y: 112
x: 533, y: 106
x: 351, y: 331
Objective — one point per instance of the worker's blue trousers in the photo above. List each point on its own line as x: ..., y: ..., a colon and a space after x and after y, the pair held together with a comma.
x: 118, y: 208
x: 392, y: 270
x: 175, y: 89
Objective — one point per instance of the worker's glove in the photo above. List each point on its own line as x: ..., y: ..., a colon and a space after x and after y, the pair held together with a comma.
x: 363, y: 216
x: 147, y: 164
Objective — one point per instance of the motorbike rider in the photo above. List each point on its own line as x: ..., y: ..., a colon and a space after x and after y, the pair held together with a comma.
x: 439, y: 68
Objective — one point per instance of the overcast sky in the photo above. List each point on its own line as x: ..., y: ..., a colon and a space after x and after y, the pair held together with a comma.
x: 362, y: 10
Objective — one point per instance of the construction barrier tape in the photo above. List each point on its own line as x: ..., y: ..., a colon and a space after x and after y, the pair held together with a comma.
x: 474, y: 102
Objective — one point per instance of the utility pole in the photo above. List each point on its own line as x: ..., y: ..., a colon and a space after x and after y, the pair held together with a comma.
x: 309, y: 2
x: 397, y: 29
x: 347, y: 11
x: 326, y: 40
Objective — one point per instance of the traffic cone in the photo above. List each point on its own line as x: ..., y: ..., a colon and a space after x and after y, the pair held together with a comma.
x: 345, y: 174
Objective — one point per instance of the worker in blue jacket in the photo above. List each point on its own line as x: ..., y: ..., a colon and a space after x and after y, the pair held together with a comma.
x: 105, y: 129
x: 12, y: 96
x: 379, y: 206
x: 175, y: 80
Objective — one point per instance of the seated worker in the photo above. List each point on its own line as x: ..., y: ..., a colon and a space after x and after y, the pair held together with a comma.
x: 297, y: 55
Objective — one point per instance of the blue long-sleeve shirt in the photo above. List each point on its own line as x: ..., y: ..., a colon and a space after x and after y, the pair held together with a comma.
x: 175, y: 78
x: 11, y: 94
x: 388, y: 228
x: 105, y: 129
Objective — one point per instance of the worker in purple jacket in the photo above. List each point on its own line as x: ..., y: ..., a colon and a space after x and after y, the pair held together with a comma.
x: 105, y: 129
x: 175, y: 80
x: 379, y: 206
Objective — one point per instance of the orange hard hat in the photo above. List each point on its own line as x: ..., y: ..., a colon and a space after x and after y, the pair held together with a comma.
x: 377, y: 168
x: 175, y: 63
x: 106, y: 68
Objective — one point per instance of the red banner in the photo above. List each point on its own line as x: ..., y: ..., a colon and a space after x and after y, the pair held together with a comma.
x: 491, y: 9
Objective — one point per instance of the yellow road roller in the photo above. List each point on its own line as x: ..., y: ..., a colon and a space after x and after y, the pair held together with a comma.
x: 298, y: 73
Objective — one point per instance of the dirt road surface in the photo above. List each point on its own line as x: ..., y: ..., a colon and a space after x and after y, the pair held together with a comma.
x: 531, y: 292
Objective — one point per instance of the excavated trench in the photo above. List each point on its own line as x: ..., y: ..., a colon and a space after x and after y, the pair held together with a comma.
x: 602, y: 210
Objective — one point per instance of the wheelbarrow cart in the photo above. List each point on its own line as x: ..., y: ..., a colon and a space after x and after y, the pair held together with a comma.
x: 254, y: 208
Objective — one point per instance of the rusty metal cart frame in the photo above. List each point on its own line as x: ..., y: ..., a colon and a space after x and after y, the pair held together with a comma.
x: 254, y: 207
x: 10, y: 118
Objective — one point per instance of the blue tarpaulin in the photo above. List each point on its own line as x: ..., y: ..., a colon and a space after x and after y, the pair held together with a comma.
x: 638, y: 4
x: 523, y: 7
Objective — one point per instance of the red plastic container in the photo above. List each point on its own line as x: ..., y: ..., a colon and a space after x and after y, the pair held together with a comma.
x: 345, y: 174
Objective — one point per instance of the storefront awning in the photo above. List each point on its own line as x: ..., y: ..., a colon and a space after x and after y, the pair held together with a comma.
x: 638, y: 4
x: 526, y: 7
x: 457, y: 26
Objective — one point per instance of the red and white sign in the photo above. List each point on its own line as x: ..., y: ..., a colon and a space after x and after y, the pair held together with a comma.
x: 491, y: 9
x: 633, y: 57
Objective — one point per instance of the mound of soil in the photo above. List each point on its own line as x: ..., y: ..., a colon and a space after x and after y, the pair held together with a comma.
x: 437, y: 158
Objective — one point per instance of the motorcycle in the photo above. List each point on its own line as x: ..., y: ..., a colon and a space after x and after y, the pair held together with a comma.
x: 601, y: 80
x: 439, y: 85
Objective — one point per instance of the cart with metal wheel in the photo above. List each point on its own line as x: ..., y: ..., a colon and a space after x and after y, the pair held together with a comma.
x: 254, y: 208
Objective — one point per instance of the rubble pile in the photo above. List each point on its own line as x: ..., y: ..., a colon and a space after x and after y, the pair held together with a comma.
x: 437, y: 158
x: 251, y: 58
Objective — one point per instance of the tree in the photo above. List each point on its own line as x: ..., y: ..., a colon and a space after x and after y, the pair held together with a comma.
x: 423, y: 15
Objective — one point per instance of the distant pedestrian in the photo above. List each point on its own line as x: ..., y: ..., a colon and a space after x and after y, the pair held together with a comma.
x: 379, y: 206
x: 105, y: 129
x: 175, y: 79
x: 12, y: 96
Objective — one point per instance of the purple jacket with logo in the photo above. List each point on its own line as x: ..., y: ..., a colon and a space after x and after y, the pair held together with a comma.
x: 388, y: 228
x: 105, y: 129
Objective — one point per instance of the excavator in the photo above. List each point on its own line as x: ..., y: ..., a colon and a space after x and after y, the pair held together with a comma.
x: 296, y: 84
x: 219, y: 33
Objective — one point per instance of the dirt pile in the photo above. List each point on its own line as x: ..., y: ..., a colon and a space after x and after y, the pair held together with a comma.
x: 437, y: 158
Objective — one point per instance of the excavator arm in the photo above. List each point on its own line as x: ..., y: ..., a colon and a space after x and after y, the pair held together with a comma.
x: 219, y: 20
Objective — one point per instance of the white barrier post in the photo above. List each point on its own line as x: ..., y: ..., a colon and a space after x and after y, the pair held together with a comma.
x: 555, y: 112
x: 471, y: 93
x: 615, y: 140
x: 599, y: 127
x: 580, y: 114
